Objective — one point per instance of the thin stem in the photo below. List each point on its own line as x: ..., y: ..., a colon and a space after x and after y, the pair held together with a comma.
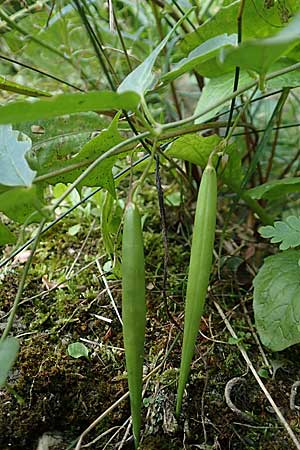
x: 68, y: 211
x: 239, y: 91
x: 237, y: 69
x: 14, y: 309
x: 274, y: 144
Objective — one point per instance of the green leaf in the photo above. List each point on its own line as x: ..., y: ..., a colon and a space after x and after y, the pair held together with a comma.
x: 215, y: 90
x: 200, y: 54
x: 287, y: 232
x: 193, y: 148
x: 258, y: 22
x: 141, y: 79
x: 14, y: 169
x: 77, y: 350
x: 8, y: 353
x: 275, y: 189
x: 276, y: 300
x: 100, y: 176
x: 22, y: 204
x: 10, y: 86
x: 196, y: 149
x: 258, y: 55
x: 221, y: 87
x: 6, y: 236
x: 66, y: 104
x: 72, y: 231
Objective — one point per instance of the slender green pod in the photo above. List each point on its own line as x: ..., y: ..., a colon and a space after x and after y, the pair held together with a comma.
x: 134, y: 310
x: 199, y: 271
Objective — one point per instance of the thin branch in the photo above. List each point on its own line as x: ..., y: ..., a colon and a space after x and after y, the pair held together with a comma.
x: 258, y: 379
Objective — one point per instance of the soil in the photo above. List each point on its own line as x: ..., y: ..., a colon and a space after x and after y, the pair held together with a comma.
x: 48, y: 391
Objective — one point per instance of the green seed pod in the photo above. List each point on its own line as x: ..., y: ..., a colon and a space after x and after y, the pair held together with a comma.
x: 199, y: 271
x: 134, y: 310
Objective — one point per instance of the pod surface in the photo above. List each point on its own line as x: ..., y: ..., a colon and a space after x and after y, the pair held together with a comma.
x: 199, y: 271
x: 133, y: 310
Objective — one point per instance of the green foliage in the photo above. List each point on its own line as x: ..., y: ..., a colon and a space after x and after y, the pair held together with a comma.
x: 287, y: 232
x: 141, y: 79
x: 22, y: 204
x: 6, y: 236
x: 258, y: 22
x: 78, y: 350
x: 220, y: 87
x: 9, y: 348
x: 200, y: 54
x: 14, y: 169
x: 197, y: 149
x: 276, y: 188
x: 7, y: 85
x: 259, y: 55
x: 276, y: 300
x: 66, y: 104
x: 41, y: 165
x: 58, y: 159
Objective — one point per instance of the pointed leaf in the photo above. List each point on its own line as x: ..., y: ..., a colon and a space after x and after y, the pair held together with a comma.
x: 193, y: 148
x: 8, y: 353
x: 18, y: 112
x: 200, y: 54
x: 22, y: 204
x: 275, y: 189
x: 14, y: 169
x: 100, y: 176
x: 141, y: 79
x: 221, y: 87
x: 6, y: 236
x: 214, y: 91
x: 258, y: 22
x: 196, y: 149
x: 260, y: 54
x: 276, y: 300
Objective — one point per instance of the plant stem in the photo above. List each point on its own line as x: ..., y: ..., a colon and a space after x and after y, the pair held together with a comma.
x: 13, y: 311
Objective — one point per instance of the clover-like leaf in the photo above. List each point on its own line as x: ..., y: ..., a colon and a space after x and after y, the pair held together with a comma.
x: 287, y: 232
x: 276, y: 300
x: 77, y: 350
x: 14, y: 169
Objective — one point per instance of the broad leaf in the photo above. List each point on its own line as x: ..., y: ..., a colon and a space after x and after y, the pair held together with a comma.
x: 258, y: 22
x: 275, y: 189
x: 193, y: 148
x: 258, y: 55
x: 18, y: 112
x: 22, y: 205
x: 287, y: 232
x: 78, y: 350
x: 214, y: 91
x: 10, y: 86
x: 14, y: 169
x: 276, y: 300
x: 196, y: 149
x: 6, y: 236
x: 8, y: 353
x: 200, y: 54
x: 100, y: 176
x: 219, y: 88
